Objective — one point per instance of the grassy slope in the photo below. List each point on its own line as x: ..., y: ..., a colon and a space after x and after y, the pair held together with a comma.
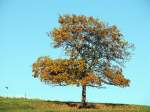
x: 34, y: 105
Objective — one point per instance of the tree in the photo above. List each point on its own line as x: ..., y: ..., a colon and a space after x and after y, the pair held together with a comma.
x: 96, y: 55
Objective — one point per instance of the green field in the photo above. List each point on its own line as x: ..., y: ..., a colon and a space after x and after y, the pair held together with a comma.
x: 36, y: 105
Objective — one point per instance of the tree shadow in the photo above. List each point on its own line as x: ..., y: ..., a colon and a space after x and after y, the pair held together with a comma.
x: 87, y: 106
x: 112, y: 104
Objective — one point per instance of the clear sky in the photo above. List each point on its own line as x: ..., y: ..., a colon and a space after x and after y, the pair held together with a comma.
x: 23, y: 38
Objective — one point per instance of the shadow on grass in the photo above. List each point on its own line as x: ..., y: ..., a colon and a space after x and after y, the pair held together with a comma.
x: 113, y: 105
x: 88, y: 106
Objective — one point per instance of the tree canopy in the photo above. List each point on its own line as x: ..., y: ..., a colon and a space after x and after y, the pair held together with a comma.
x: 96, y: 54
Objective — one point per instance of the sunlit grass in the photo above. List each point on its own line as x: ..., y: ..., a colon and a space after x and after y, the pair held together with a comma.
x: 36, y: 105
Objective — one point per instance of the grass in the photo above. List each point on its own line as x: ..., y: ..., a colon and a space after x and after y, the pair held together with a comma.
x: 36, y: 105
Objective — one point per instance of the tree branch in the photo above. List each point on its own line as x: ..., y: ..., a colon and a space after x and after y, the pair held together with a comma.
x: 96, y: 86
x: 110, y: 83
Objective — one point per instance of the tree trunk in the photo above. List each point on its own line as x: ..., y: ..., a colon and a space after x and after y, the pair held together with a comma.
x: 84, y: 96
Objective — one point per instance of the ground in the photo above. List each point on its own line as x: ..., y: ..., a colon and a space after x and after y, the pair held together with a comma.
x: 37, y: 105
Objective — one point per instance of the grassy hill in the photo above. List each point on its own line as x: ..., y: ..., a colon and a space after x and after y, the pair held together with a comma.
x: 36, y: 105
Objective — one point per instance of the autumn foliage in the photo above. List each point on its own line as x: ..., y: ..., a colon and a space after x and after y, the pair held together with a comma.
x: 97, y: 52
x: 63, y: 72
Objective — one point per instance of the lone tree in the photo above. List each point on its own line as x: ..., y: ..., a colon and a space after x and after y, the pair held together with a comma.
x: 96, y: 55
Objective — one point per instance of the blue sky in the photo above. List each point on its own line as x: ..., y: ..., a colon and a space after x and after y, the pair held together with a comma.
x: 23, y: 38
